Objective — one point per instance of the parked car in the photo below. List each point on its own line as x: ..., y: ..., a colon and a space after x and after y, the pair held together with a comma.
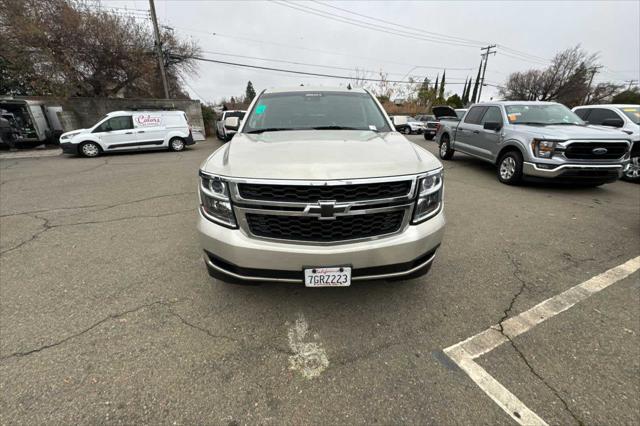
x: 439, y: 112
x: 318, y: 188
x: 225, y: 133
x: 623, y: 117
x: 130, y: 131
x: 408, y: 124
x: 542, y: 140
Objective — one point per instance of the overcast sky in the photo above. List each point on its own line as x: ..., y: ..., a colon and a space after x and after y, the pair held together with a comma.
x: 269, y: 30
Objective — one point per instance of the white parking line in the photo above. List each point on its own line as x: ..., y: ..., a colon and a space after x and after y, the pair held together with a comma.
x: 464, y: 353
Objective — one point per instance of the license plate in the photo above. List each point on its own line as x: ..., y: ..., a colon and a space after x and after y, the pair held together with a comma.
x: 336, y: 276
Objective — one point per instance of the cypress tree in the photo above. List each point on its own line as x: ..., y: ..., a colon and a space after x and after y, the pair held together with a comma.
x: 474, y: 97
x: 464, y: 91
x: 435, y: 89
x: 441, y: 95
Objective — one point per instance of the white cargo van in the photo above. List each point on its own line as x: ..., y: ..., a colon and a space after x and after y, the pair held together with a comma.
x: 130, y: 131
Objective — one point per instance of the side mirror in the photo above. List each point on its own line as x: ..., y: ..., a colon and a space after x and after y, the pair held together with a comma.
x: 492, y: 125
x: 613, y: 122
x: 399, y: 120
x: 232, y: 123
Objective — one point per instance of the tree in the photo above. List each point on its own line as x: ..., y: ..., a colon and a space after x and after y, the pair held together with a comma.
x: 631, y: 96
x: 424, y: 92
x: 435, y: 89
x: 68, y: 48
x: 249, y: 93
x: 464, y: 91
x: 474, y: 96
x: 568, y: 80
x: 455, y: 101
x: 441, y: 93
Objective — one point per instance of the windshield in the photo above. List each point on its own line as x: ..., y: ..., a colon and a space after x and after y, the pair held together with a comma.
x: 633, y: 113
x: 542, y: 114
x: 239, y: 114
x: 315, y: 110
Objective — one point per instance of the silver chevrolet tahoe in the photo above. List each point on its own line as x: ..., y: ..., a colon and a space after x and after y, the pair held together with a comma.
x: 536, y: 140
x: 317, y: 187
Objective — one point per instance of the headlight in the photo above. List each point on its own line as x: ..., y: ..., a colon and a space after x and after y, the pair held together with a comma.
x: 429, y: 200
x: 543, y: 148
x: 215, y: 202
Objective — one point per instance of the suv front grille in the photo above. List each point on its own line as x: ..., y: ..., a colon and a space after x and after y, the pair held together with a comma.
x: 585, y: 150
x: 311, y: 194
x: 304, y: 228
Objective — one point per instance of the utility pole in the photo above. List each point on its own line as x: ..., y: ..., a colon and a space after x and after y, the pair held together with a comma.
x: 587, y: 96
x: 484, y: 69
x: 159, y: 49
x: 631, y: 83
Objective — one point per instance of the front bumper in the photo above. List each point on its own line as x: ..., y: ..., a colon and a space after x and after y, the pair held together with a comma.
x: 69, y: 148
x: 232, y: 253
x: 578, y: 172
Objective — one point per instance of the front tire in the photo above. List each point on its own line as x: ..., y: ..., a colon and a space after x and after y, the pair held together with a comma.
x: 632, y: 174
x: 510, y: 168
x: 407, y: 130
x: 176, y: 144
x: 445, y: 151
x: 89, y: 149
x: 427, y: 137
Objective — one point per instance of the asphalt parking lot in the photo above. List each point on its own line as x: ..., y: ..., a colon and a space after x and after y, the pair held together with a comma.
x: 107, y: 313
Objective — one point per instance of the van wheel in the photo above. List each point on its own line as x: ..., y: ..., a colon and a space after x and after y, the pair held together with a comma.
x: 89, y: 149
x: 176, y: 144
x: 446, y: 153
x: 510, y: 168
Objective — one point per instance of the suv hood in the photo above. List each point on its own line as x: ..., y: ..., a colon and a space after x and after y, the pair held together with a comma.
x: 563, y: 132
x: 319, y: 155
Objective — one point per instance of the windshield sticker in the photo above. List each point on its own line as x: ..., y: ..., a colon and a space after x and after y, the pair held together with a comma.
x: 514, y: 116
x: 372, y: 127
x: 260, y: 109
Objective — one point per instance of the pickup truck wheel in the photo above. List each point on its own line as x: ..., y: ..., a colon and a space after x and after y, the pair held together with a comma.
x: 89, y: 149
x: 632, y: 174
x: 407, y: 130
x: 176, y: 144
x: 446, y: 153
x: 427, y: 137
x: 510, y: 168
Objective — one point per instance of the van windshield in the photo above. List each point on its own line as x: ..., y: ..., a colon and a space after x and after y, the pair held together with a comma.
x: 315, y: 110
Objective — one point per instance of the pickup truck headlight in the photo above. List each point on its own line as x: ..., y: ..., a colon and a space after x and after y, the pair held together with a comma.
x: 543, y: 148
x: 215, y: 202
x: 429, y: 200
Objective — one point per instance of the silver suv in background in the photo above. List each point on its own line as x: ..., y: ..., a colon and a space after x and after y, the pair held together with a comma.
x: 623, y: 117
x: 318, y: 188
x: 536, y: 140
x: 225, y: 132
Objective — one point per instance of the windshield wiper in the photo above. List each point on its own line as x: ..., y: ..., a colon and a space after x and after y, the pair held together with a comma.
x: 564, y: 124
x: 336, y: 128
x: 531, y: 123
x: 270, y: 129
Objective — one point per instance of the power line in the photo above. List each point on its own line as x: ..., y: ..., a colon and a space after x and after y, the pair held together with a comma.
x: 484, y: 69
x: 420, y: 31
x: 367, y: 25
x: 341, y: 77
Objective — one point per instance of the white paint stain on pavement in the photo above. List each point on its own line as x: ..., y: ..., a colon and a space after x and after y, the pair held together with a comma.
x: 309, y: 357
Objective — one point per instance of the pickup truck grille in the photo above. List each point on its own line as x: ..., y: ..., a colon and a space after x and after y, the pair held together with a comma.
x: 302, y: 228
x: 312, y: 194
x: 585, y: 150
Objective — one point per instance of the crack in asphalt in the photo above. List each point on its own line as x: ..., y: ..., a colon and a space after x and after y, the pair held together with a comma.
x: 523, y: 286
x: 104, y: 206
x: 46, y: 226
x: 85, y: 330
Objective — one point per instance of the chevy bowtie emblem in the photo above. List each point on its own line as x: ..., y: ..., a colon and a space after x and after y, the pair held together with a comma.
x: 326, y: 209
